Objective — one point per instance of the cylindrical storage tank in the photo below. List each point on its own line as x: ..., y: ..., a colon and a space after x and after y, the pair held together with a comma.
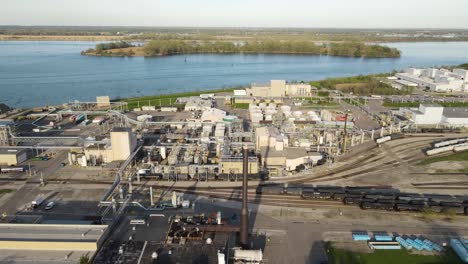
x: 229, y: 118
x: 272, y: 105
x: 268, y: 117
x: 270, y: 111
x: 262, y: 105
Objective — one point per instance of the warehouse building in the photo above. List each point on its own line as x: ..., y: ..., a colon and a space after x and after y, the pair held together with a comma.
x: 438, y: 80
x: 12, y: 157
x: 49, y: 243
x: 435, y: 114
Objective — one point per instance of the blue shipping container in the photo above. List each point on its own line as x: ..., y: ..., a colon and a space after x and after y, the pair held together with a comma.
x: 459, y: 248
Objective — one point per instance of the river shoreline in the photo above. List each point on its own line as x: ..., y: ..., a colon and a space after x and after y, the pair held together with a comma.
x: 54, y: 72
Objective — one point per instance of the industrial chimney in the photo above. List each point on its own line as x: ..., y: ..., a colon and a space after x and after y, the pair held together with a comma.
x: 244, y: 221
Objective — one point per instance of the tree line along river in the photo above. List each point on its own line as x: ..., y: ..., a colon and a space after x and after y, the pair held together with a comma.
x: 34, y: 73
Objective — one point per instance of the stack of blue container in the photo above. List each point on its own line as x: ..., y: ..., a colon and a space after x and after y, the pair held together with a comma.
x: 403, y: 243
x: 414, y: 244
x: 361, y: 236
x: 426, y: 245
x: 461, y: 248
x: 383, y: 237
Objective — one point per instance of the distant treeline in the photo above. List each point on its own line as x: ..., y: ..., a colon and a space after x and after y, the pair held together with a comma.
x: 347, y: 49
x: 361, y: 85
x: 101, y: 48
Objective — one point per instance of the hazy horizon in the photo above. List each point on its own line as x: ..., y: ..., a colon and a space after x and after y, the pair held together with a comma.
x: 333, y: 14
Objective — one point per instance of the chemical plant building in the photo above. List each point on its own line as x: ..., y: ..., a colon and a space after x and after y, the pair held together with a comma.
x: 122, y: 143
x: 434, y: 114
x: 279, y: 88
x: 275, y: 153
x: 5, y: 127
x: 437, y: 80
x: 12, y: 157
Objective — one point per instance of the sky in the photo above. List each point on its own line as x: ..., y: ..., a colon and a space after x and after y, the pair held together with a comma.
x: 239, y: 13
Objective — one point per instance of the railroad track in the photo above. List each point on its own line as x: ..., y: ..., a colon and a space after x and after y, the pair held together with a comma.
x: 370, y: 158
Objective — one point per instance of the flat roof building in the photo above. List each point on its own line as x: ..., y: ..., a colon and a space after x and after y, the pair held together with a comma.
x: 438, y: 80
x: 279, y: 88
x: 48, y: 243
x: 435, y: 114
x: 12, y: 157
x: 103, y: 101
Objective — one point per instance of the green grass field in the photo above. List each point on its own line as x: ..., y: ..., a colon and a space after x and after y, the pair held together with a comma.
x: 5, y: 191
x: 240, y: 106
x: 459, y: 156
x: 339, y: 256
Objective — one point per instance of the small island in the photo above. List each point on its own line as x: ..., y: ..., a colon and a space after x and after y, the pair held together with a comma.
x: 178, y: 47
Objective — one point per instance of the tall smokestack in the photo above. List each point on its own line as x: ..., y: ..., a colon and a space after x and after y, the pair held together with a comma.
x: 244, y: 221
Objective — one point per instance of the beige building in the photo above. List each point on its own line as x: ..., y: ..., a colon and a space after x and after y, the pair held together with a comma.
x: 123, y: 142
x: 103, y: 101
x: 275, y: 153
x: 234, y: 165
x: 279, y: 88
x: 287, y: 159
x: 12, y: 157
x: 270, y: 137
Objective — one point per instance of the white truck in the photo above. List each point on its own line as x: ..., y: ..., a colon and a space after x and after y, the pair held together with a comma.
x: 37, y: 202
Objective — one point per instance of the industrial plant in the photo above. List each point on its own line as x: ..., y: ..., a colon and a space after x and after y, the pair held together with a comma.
x: 214, y: 178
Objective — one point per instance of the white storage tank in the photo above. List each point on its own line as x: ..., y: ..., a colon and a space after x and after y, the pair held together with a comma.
x: 268, y: 117
x: 262, y: 105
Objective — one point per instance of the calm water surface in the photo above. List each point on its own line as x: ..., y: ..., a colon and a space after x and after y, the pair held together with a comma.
x: 36, y: 73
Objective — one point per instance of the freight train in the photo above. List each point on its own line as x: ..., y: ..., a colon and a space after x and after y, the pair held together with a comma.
x: 373, y: 198
x: 456, y: 145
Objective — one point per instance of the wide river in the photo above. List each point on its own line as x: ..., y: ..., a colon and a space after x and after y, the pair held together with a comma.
x: 34, y: 73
